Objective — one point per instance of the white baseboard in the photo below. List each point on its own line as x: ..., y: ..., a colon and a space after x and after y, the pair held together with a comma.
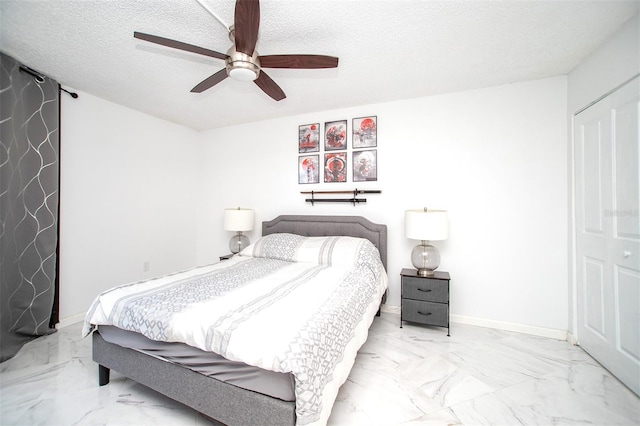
x: 498, y: 325
x: 510, y: 326
x: 65, y: 322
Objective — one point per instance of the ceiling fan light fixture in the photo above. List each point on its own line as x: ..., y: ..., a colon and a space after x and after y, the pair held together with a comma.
x: 243, y: 74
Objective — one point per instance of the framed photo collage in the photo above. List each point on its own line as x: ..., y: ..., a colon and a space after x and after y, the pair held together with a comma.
x: 330, y: 155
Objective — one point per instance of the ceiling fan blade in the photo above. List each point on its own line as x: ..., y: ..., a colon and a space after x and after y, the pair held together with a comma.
x: 178, y: 45
x: 298, y: 61
x: 269, y: 86
x: 210, y: 81
x: 246, y: 24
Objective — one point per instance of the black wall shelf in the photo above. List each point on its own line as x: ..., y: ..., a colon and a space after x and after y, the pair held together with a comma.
x: 353, y: 199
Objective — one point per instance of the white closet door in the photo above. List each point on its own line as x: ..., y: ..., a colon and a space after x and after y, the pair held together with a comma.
x: 608, y: 231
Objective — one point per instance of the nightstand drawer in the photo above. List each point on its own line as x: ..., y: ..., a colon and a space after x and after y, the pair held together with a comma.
x: 429, y: 290
x: 425, y: 312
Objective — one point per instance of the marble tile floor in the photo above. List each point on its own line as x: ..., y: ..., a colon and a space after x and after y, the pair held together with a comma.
x: 402, y: 376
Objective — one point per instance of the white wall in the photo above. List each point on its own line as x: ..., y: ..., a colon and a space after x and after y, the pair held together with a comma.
x: 495, y: 158
x: 616, y: 61
x: 128, y: 195
x: 136, y: 189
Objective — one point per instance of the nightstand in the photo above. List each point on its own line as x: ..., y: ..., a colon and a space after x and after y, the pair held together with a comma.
x: 425, y: 299
x: 226, y: 256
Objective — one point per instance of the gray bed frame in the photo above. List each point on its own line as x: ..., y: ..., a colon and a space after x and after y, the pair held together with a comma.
x: 221, y: 401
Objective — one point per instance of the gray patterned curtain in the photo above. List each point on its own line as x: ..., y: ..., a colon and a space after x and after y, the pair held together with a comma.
x: 29, y: 170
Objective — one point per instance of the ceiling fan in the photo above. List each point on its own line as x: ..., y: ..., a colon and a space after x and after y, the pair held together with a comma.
x: 242, y: 60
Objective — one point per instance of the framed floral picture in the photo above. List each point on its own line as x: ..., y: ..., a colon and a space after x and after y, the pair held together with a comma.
x: 309, y: 138
x: 335, y: 167
x: 308, y: 169
x: 365, y: 165
x: 335, y: 135
x: 365, y: 132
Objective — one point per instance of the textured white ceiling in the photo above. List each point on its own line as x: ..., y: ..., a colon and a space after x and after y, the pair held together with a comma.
x: 388, y: 49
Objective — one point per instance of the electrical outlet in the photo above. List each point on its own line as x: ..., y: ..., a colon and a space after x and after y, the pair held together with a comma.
x: 145, y: 266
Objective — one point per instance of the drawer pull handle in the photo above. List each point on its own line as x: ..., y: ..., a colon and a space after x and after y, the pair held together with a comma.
x: 422, y: 313
x: 423, y: 290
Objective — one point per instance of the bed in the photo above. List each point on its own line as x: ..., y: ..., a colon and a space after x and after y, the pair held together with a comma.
x: 288, y: 393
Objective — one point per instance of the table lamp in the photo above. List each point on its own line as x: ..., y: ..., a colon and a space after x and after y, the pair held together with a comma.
x: 238, y: 220
x: 426, y: 225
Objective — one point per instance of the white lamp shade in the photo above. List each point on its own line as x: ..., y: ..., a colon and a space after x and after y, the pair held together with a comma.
x: 238, y: 220
x: 426, y: 225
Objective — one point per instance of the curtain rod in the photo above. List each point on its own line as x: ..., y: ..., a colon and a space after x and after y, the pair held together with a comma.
x: 35, y: 74
x: 74, y: 95
x: 40, y: 79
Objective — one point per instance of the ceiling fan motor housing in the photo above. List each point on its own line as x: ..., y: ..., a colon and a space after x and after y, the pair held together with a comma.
x: 241, y: 66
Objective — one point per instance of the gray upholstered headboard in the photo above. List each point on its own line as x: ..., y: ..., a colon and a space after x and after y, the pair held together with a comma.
x: 326, y: 226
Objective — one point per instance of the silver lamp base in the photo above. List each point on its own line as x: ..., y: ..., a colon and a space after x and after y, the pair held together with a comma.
x: 425, y: 258
x: 238, y: 242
